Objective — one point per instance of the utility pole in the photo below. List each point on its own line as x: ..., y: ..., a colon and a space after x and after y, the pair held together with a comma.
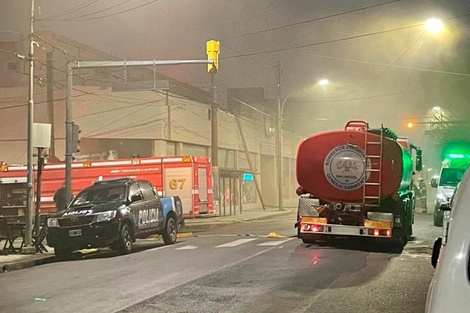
x: 279, y: 138
x: 212, y: 50
x: 50, y: 100
x: 28, y: 246
x: 214, y: 123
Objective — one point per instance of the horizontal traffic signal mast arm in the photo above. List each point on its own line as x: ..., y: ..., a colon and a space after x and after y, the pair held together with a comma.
x: 89, y: 64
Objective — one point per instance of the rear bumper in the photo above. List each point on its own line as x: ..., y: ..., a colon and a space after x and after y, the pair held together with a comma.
x: 319, y: 226
x: 346, y: 230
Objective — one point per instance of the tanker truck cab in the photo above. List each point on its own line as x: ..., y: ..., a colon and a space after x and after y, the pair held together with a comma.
x: 452, y: 171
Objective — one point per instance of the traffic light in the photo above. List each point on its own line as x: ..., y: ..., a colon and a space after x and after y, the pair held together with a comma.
x: 213, y: 48
x: 76, y: 138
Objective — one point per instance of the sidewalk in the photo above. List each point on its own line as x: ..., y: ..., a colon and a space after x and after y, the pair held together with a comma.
x: 13, y: 262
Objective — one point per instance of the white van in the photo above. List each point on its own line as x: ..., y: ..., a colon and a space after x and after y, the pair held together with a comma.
x: 450, y: 175
x: 449, y: 289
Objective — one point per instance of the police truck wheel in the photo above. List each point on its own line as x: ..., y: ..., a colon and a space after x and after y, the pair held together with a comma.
x: 170, y: 232
x: 125, y: 240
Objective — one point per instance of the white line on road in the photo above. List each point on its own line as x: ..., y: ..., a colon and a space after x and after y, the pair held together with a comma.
x: 235, y: 243
x: 190, y: 247
x: 274, y: 243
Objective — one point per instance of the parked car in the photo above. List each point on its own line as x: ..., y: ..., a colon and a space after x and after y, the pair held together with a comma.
x: 450, y: 286
x: 113, y: 213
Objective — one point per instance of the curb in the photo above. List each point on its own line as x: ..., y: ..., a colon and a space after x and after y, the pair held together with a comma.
x: 8, y: 267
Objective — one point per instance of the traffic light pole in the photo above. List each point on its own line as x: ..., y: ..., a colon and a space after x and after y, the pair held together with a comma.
x: 68, y: 102
x: 28, y: 248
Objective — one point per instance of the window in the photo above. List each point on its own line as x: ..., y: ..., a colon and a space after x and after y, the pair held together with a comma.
x: 134, y: 190
x: 147, y: 190
x: 189, y: 149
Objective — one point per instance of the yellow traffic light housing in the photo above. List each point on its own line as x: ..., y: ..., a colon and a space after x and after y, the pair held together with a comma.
x: 213, y: 48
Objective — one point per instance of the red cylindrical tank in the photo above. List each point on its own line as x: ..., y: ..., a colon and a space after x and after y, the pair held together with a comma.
x: 330, y: 165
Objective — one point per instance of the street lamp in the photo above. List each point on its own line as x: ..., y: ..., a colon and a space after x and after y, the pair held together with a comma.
x: 279, y: 155
x: 434, y: 25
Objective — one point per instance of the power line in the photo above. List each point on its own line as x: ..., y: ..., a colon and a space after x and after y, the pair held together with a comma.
x: 311, y: 20
x: 322, y: 42
x: 82, y: 17
x: 72, y: 10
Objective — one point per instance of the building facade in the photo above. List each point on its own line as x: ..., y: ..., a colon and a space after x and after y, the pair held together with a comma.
x: 116, y: 122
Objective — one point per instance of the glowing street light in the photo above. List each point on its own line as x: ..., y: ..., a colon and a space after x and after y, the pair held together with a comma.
x: 434, y: 25
x: 323, y: 82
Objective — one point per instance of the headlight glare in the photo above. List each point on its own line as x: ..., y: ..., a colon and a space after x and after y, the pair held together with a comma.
x: 105, y: 216
x: 52, y: 222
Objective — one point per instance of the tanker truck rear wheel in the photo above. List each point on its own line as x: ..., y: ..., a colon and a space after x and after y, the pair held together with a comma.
x: 400, y: 239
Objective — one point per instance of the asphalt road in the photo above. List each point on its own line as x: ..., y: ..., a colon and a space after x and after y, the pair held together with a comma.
x: 257, y: 266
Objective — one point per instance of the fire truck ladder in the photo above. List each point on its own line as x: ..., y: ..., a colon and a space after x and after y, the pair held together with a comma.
x: 373, y: 151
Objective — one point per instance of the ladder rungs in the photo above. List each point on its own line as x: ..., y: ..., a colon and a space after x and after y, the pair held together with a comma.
x: 373, y: 188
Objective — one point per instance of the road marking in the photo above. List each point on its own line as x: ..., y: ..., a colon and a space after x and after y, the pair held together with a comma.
x: 189, y: 247
x: 235, y: 243
x: 274, y: 243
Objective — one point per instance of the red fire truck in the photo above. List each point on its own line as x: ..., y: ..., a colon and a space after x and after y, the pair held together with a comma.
x: 189, y: 177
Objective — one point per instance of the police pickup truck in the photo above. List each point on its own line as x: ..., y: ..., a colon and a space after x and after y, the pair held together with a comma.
x: 114, y: 213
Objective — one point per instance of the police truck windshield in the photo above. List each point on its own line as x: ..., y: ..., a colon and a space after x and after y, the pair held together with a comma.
x: 99, y: 195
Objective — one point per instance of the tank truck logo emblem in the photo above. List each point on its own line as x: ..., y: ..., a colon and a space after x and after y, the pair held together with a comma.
x: 344, y: 167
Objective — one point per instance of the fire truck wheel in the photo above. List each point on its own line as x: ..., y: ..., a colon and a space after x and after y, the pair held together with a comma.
x: 124, y: 243
x: 63, y: 254
x: 170, y: 232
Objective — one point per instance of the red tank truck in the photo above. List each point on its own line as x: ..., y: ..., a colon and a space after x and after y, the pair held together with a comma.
x: 356, y: 182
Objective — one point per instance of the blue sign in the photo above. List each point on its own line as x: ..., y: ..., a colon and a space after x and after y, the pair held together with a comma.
x: 247, y: 177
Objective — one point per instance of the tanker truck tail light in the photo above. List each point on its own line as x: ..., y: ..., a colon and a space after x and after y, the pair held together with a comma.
x: 312, y: 228
x: 312, y: 224
x: 376, y: 232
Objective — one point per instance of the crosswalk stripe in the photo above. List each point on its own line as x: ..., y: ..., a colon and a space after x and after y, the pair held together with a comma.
x: 235, y: 243
x: 190, y: 247
x: 273, y: 243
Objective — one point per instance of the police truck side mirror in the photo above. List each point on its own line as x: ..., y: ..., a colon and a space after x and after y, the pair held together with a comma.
x: 434, y: 181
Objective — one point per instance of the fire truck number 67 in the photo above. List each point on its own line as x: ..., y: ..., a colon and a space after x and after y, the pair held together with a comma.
x: 177, y: 183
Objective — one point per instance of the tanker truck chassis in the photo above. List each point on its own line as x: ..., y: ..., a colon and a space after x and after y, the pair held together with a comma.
x: 356, y: 182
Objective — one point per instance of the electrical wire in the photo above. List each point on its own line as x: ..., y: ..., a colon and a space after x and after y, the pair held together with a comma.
x: 72, y: 10
x: 83, y: 17
x: 311, y: 20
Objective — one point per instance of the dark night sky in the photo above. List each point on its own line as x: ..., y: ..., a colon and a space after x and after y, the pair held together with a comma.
x: 382, y: 65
